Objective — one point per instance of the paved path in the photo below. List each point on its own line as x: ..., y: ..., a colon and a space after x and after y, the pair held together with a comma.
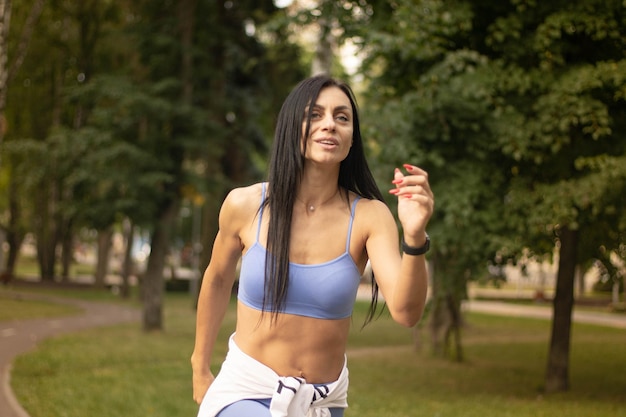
x: 19, y: 336
x: 544, y: 312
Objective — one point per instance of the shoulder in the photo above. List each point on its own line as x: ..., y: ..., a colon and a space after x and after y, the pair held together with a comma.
x: 367, y: 207
x: 243, y: 197
x: 378, y: 230
x: 241, y: 203
x: 373, y: 214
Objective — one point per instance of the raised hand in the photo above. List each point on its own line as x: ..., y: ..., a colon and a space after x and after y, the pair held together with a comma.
x: 415, y: 201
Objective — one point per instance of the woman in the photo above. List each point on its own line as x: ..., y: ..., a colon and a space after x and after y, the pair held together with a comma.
x: 321, y: 216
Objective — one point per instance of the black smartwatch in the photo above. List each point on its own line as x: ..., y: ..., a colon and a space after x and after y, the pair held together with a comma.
x: 411, y: 250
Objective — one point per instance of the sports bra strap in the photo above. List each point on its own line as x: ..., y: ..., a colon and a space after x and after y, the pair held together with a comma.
x: 258, y: 228
x: 353, y: 209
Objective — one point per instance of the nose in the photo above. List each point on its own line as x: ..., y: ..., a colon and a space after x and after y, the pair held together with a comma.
x: 328, y: 122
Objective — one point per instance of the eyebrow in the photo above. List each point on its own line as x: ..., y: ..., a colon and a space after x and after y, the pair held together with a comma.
x: 338, y: 108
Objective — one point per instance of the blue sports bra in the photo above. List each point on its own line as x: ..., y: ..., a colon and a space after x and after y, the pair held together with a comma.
x: 323, y: 291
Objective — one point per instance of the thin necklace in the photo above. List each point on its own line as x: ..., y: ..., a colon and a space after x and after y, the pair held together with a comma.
x: 311, y: 207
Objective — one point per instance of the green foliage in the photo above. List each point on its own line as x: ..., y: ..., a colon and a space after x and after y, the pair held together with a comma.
x: 565, y: 131
x: 128, y: 113
x: 516, y: 109
x: 440, y: 119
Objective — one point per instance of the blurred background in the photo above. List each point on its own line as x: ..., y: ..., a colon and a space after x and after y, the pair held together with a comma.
x: 123, y: 124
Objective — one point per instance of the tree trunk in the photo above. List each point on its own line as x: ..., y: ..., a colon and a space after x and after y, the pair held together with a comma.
x: 15, y: 234
x: 152, y: 284
x: 438, y: 323
x: 323, y: 58
x: 14, y: 241
x: 27, y: 32
x: 438, y: 316
x: 557, y: 374
x: 67, y: 250
x: 46, y: 248
x: 45, y: 228
x: 445, y: 312
x: 208, y: 231
x: 186, y: 16
x: 8, y: 72
x: 102, y: 263
x: 127, y: 266
x: 453, y: 348
x: 5, y: 19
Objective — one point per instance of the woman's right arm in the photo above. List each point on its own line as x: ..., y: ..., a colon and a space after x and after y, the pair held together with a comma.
x: 215, y: 294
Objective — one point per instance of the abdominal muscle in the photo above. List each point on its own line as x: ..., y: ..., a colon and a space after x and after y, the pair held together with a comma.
x: 306, y: 347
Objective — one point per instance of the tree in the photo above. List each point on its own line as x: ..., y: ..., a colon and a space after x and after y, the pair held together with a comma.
x: 563, y: 80
x: 8, y: 69
x: 540, y: 113
x: 177, y: 100
x: 218, y: 117
x: 249, y: 73
x: 40, y: 111
x: 430, y: 99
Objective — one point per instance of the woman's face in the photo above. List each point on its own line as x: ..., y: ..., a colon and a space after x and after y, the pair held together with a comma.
x: 330, y: 134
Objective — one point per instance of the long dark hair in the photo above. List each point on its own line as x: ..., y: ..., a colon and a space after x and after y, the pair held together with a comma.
x: 285, y: 173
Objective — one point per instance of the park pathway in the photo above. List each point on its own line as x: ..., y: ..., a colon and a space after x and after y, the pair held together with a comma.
x: 20, y: 336
x: 544, y: 312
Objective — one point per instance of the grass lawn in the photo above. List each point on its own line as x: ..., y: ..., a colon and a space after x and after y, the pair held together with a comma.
x: 28, y: 266
x: 18, y: 308
x: 120, y: 371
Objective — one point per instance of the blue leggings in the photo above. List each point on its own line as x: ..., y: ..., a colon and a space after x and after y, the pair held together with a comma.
x: 259, y: 408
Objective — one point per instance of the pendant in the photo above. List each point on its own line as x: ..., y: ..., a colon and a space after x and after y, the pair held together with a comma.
x: 312, y: 208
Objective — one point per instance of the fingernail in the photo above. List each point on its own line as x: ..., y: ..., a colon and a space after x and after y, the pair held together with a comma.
x: 407, y: 166
x: 394, y: 191
x: 398, y: 181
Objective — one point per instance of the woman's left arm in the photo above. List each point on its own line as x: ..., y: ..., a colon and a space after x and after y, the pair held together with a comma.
x: 403, y: 279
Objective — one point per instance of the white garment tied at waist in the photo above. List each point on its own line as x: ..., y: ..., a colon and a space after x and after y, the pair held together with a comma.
x: 244, y: 378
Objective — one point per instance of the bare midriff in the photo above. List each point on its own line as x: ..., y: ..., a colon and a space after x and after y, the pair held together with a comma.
x: 306, y: 347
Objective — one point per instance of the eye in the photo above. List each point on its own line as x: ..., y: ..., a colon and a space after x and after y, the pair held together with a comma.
x: 343, y: 118
x: 315, y: 114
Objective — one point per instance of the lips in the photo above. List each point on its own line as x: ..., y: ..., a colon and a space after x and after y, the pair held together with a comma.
x: 327, y: 142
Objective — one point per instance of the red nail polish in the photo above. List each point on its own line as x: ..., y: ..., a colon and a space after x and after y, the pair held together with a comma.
x: 398, y: 181
x: 407, y: 166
